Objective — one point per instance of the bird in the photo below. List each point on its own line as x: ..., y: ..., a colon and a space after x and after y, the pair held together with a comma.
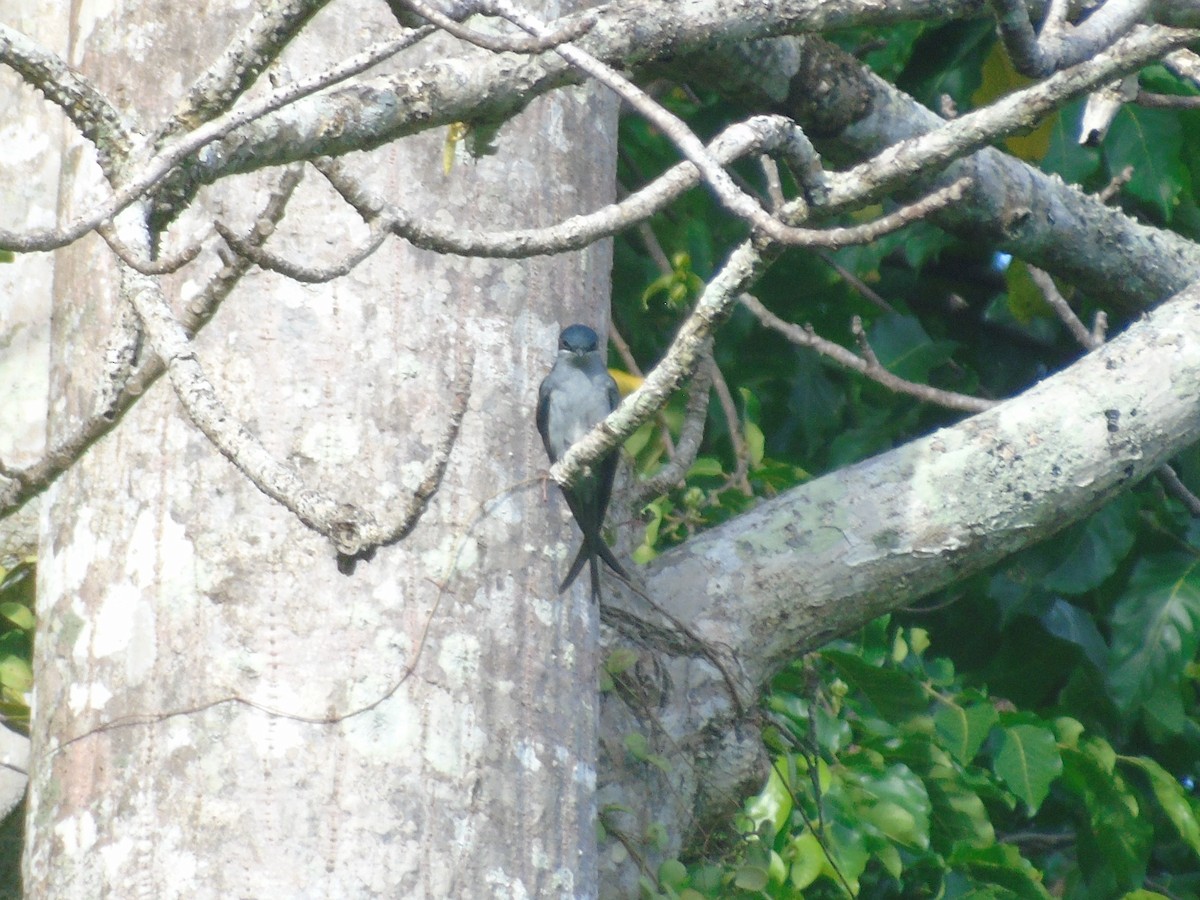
x: 576, y: 395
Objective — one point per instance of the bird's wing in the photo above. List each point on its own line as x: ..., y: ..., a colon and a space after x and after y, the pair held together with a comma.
x: 543, y: 415
x: 614, y: 394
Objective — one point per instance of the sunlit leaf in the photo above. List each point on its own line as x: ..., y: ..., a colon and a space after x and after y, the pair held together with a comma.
x: 808, y: 859
x: 1172, y: 799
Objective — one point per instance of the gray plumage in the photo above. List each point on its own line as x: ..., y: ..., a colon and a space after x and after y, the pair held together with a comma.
x: 576, y: 395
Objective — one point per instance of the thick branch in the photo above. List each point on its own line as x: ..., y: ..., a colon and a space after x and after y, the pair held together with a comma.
x: 87, y: 108
x: 827, y: 557
x: 1034, y: 216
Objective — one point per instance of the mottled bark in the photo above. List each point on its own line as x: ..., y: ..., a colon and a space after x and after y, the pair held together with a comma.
x: 219, y: 712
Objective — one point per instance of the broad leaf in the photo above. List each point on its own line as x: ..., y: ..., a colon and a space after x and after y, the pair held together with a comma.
x: 1117, y: 835
x: 1091, y: 551
x: 1172, y: 798
x: 1149, y: 140
x: 962, y: 729
x: 894, y: 693
x: 1028, y: 761
x: 1155, y: 626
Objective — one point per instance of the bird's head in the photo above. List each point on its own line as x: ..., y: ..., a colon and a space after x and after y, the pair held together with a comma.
x: 578, y: 340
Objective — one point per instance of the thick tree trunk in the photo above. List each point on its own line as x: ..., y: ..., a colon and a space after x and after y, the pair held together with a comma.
x: 218, y: 711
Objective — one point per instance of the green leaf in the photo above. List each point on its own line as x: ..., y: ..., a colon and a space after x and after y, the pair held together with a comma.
x: 962, y: 729
x: 1155, y: 627
x: 637, y: 745
x: 1065, y: 157
x: 16, y: 675
x: 1116, y: 836
x: 773, y: 804
x: 672, y: 873
x: 751, y: 878
x: 999, y: 866
x: 1070, y: 623
x: 896, y: 694
x: 1171, y: 797
x: 18, y: 614
x: 905, y: 349
x: 893, y: 801
x: 1149, y: 140
x: 1091, y: 551
x: 1028, y: 761
x: 959, y: 815
x: 808, y: 859
x: 620, y: 660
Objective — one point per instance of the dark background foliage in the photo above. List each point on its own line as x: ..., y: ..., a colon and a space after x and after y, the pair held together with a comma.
x: 1035, y: 730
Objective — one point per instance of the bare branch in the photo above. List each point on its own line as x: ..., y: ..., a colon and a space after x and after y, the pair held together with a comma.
x: 1167, y: 101
x: 1090, y: 340
x: 1118, y: 181
x: 271, y: 28
x: 675, y: 129
x: 158, y: 167
x: 568, y: 31
x: 741, y: 450
x: 265, y: 259
x: 1062, y: 309
x: 833, y: 238
x: 1020, y: 109
x: 741, y: 270
x: 146, y: 267
x: 1184, y: 64
x: 759, y: 133
x: 1174, y: 486
x: 631, y: 364
x: 692, y: 432
x: 1058, y: 47
x: 122, y: 389
x: 866, y: 365
x: 435, y: 466
x: 87, y: 108
x: 342, y: 523
x: 864, y: 290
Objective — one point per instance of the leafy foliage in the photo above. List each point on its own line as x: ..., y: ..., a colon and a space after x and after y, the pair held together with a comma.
x: 1035, y: 730
x: 16, y: 645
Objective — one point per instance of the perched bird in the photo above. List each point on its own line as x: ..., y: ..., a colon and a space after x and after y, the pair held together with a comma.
x: 576, y: 395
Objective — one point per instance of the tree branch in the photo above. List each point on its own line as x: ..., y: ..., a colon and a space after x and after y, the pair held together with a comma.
x: 154, y: 171
x: 1031, y: 215
x: 867, y: 364
x: 121, y: 390
x: 876, y: 535
x: 1056, y: 47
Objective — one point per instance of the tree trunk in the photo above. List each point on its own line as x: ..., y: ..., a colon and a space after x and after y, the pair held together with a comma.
x: 218, y: 711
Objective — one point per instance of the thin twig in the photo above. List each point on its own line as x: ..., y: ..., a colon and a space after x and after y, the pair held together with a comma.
x: 733, y: 422
x: 690, y: 434
x: 869, y: 367
x: 1167, y: 101
x: 568, y: 31
x: 162, y: 266
x: 864, y: 290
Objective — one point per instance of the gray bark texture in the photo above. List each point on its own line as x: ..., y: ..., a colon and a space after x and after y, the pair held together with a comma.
x: 219, y: 712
